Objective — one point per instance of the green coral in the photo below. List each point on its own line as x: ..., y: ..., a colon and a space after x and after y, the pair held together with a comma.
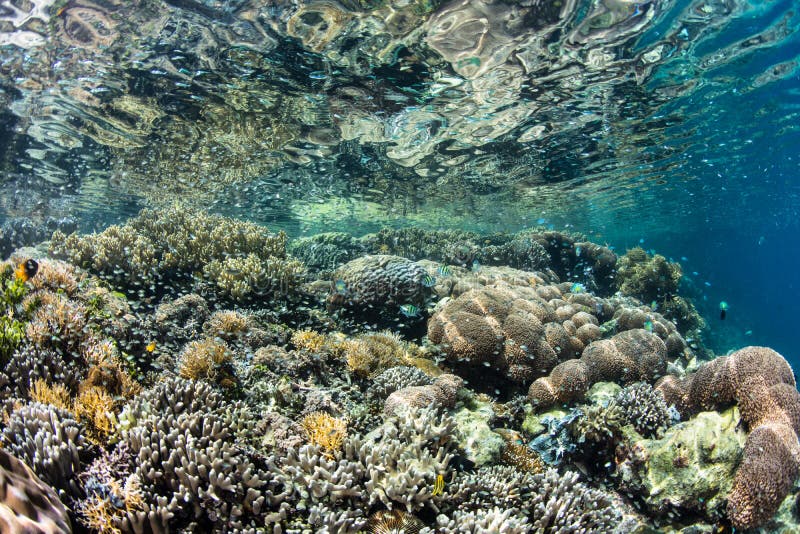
x: 12, y: 331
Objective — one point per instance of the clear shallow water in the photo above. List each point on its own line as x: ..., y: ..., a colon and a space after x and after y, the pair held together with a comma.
x: 675, y: 123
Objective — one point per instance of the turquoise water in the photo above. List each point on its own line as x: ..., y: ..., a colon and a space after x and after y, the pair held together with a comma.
x: 673, y: 126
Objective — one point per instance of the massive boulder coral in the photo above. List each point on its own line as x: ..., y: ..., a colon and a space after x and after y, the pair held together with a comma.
x: 629, y: 356
x: 515, y: 331
x: 761, y: 382
x: 381, y: 283
x: 26, y: 503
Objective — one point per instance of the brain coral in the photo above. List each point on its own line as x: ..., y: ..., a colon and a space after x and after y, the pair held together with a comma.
x: 762, y: 383
x: 627, y: 357
x: 519, y: 331
x: 379, y: 282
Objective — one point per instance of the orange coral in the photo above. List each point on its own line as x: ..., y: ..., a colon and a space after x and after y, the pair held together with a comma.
x: 308, y: 340
x: 207, y: 359
x: 95, y: 408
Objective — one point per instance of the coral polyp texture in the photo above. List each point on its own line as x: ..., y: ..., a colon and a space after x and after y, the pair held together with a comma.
x: 630, y: 356
x: 761, y: 383
x: 183, y: 372
x: 518, y: 332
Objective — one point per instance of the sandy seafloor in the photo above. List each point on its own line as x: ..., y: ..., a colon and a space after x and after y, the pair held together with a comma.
x: 186, y: 372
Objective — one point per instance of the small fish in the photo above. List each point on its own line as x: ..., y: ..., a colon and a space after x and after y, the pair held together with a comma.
x: 577, y: 287
x: 340, y: 286
x: 409, y: 310
x: 476, y: 266
x: 27, y: 270
x: 443, y: 270
x: 150, y: 347
x: 438, y: 486
x: 648, y: 325
x: 723, y: 310
x: 654, y: 305
x: 428, y: 280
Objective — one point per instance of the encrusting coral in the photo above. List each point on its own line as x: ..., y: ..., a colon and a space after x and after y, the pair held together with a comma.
x: 761, y: 382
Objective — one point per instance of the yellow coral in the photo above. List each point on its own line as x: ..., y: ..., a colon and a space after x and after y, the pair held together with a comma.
x: 227, y: 323
x: 99, y: 512
x: 95, y: 408
x: 369, y: 354
x: 308, y: 340
x: 207, y: 359
x: 324, y: 430
x: 57, y: 394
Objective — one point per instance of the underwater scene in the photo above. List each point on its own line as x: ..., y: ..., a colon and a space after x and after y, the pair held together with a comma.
x: 399, y: 266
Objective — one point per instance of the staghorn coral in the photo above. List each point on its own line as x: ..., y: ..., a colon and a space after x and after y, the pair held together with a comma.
x: 56, y: 395
x: 372, y: 353
x: 324, y: 431
x: 761, y: 382
x: 50, y: 441
x: 518, y: 332
x: 94, y: 407
x: 627, y: 357
x: 26, y: 503
x: 308, y: 340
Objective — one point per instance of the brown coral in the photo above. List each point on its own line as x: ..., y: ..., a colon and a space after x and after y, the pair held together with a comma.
x: 627, y: 357
x: 513, y: 330
x: 441, y: 394
x: 762, y: 383
x: 324, y: 430
x: 26, y: 503
x: 207, y: 359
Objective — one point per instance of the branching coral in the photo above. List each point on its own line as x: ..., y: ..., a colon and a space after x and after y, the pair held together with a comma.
x: 56, y: 395
x: 369, y: 354
x: 180, y: 242
x: 308, y: 340
x: 325, y: 431
x: 208, y: 359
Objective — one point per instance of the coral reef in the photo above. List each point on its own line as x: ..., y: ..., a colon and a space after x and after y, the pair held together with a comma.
x: 762, y: 384
x: 441, y: 393
x: 51, y: 442
x: 236, y: 259
x: 627, y: 357
x: 26, y: 503
x: 23, y: 231
x: 326, y: 251
x: 645, y: 409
